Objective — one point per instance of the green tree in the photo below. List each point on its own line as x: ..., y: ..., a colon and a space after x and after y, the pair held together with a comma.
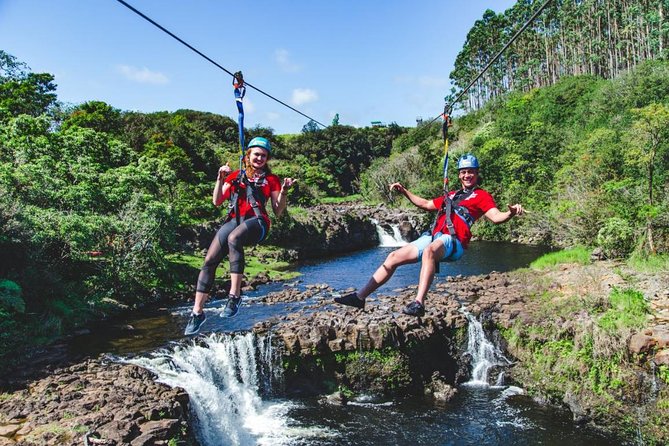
x: 11, y: 67
x: 23, y: 92
x: 649, y: 152
x: 310, y: 127
x: 95, y: 115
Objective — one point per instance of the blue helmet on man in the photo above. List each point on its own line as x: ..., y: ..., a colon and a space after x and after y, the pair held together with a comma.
x: 261, y: 142
x: 468, y: 161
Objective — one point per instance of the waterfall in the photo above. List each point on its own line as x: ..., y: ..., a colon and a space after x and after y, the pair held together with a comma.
x: 387, y: 240
x: 224, y: 376
x: 484, y: 353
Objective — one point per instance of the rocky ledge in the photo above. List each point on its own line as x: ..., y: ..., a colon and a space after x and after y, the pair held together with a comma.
x: 95, y: 402
x: 379, y: 349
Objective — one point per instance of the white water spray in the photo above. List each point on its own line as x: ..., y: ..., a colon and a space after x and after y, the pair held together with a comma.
x: 387, y: 240
x: 484, y: 353
x: 224, y: 376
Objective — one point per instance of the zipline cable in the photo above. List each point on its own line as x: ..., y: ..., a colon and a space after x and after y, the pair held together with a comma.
x: 191, y: 47
x: 449, y: 107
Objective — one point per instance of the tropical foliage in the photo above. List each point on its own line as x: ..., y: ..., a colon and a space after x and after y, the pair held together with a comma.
x: 603, y: 38
x: 93, y: 199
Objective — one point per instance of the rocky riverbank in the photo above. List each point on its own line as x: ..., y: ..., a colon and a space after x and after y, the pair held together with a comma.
x: 547, y: 322
x: 95, y: 402
x: 568, y: 330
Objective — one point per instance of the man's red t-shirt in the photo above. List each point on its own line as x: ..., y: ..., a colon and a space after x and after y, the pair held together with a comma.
x: 265, y: 185
x: 478, y: 203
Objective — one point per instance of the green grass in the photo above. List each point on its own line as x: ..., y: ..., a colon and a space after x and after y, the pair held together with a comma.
x: 299, y: 213
x: 663, y: 374
x: 649, y: 264
x: 337, y: 200
x: 277, y: 270
x: 629, y: 309
x: 579, y: 254
x: 192, y: 260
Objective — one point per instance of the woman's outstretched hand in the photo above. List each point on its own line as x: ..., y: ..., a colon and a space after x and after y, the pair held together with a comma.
x: 224, y: 171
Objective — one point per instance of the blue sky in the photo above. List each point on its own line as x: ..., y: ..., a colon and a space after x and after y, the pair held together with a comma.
x: 366, y: 60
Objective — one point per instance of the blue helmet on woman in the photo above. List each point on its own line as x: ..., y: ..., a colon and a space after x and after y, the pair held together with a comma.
x: 468, y: 161
x: 261, y: 142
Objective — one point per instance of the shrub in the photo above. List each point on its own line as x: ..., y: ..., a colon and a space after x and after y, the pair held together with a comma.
x: 10, y: 297
x: 616, y: 238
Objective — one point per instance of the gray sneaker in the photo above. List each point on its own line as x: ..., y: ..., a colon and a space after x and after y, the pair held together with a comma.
x: 194, y: 323
x: 232, y: 306
x: 415, y: 308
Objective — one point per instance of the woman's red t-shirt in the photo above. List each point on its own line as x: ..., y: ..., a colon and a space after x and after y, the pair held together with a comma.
x: 266, y: 185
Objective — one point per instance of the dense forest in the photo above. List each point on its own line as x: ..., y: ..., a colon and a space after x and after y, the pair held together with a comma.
x: 93, y: 198
x: 602, y: 38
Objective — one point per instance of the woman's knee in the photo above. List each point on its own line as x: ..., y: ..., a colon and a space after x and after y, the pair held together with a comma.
x: 210, y: 262
x: 428, y: 254
x: 235, y: 242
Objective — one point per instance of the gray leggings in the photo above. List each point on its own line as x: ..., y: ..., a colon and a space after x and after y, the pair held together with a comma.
x: 230, y: 240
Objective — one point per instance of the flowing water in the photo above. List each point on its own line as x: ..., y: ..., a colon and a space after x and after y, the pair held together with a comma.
x: 485, y: 355
x: 234, y: 379
x: 225, y: 376
x: 390, y: 239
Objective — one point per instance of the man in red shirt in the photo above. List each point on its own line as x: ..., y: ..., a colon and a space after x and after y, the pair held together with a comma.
x: 447, y: 240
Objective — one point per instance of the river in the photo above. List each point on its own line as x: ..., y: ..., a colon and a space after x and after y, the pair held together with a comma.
x: 159, y: 327
x: 233, y: 379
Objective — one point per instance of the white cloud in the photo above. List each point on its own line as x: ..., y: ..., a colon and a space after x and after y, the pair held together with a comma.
x: 272, y: 116
x: 303, y: 96
x: 142, y: 75
x: 282, y: 57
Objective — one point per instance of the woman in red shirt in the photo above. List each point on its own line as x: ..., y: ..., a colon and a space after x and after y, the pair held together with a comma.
x: 469, y: 204
x: 247, y: 223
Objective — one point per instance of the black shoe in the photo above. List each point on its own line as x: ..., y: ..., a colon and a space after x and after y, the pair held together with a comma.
x: 351, y: 299
x: 232, y: 306
x: 415, y: 308
x: 194, y: 323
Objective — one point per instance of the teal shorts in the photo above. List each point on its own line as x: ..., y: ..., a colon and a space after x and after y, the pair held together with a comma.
x: 452, y: 247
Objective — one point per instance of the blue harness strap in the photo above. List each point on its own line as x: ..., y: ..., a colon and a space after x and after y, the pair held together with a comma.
x: 240, y: 91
